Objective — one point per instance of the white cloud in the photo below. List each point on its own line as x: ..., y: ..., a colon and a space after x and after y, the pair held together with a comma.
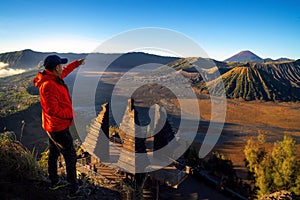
x: 10, y: 71
x: 3, y: 65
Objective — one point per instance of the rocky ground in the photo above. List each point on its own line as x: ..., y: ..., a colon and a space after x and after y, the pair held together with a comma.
x: 31, y: 190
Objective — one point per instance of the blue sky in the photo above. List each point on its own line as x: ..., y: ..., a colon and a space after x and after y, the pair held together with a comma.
x: 269, y: 28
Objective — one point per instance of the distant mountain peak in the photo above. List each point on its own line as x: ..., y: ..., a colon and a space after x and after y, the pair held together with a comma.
x: 244, y: 56
x: 245, y: 52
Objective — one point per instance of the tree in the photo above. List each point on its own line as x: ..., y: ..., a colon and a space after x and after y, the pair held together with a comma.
x: 263, y: 176
x: 296, y: 187
x: 284, y: 163
x: 276, y: 170
x: 254, y: 154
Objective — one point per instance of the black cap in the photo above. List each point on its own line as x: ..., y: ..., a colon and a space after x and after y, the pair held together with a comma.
x: 53, y: 60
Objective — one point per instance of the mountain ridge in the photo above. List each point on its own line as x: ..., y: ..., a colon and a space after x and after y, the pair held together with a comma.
x: 253, y: 83
x: 28, y: 59
x: 270, y: 81
x: 278, y: 81
x: 248, y: 56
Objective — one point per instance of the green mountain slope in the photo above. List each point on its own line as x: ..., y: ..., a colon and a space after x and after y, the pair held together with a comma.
x: 17, y: 93
x: 252, y: 83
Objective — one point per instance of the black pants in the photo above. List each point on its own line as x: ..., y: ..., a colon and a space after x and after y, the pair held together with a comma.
x: 62, y: 142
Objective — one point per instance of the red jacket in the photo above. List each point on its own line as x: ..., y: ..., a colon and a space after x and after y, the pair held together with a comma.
x: 57, y: 110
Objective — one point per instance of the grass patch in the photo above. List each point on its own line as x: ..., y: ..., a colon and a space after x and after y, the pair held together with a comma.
x: 16, y: 162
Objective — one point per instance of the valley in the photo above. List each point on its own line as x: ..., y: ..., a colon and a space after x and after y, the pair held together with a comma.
x: 260, y: 98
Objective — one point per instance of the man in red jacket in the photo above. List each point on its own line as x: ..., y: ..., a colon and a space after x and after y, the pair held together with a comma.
x: 57, y: 116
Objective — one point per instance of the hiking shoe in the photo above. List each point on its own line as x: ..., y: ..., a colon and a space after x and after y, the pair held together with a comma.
x: 80, y: 193
x: 59, y: 184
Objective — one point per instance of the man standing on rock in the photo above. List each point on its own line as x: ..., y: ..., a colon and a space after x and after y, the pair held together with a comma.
x: 57, y: 117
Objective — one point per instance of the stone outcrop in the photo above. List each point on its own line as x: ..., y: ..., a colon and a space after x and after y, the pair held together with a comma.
x: 97, y: 140
x: 282, y: 195
x: 130, y: 158
x: 163, y: 134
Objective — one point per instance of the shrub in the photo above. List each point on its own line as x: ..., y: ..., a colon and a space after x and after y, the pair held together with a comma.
x: 16, y: 162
